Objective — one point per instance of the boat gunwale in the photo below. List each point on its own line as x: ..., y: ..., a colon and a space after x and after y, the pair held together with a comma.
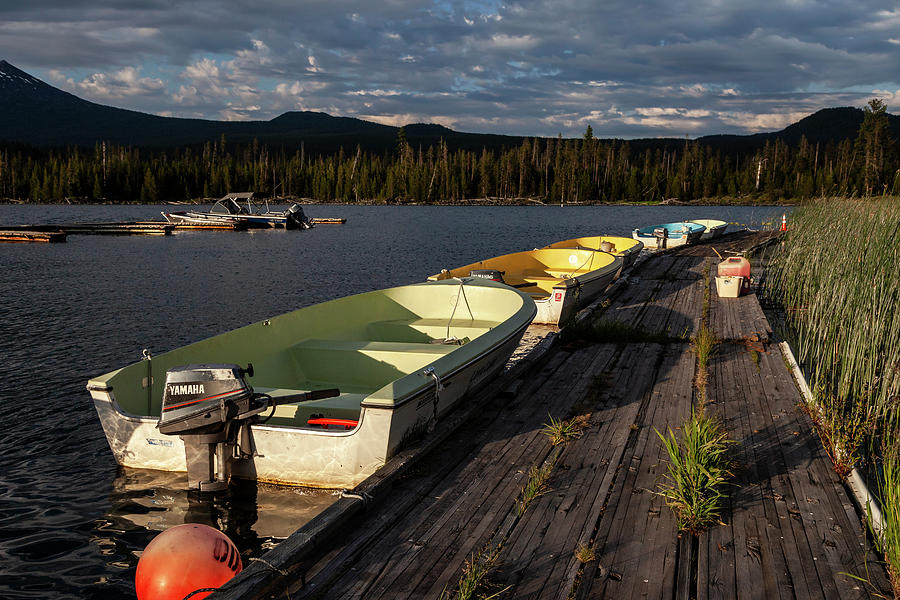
x: 560, y: 281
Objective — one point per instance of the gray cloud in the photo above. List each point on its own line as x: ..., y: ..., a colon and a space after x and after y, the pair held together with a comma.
x: 629, y: 69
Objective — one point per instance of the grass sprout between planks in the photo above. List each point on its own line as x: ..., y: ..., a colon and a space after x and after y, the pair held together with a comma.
x: 698, y: 469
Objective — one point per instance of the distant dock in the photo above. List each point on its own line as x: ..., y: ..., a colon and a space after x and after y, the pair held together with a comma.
x: 57, y: 232
x: 14, y: 235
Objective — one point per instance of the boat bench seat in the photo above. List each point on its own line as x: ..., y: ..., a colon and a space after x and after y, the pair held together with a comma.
x: 540, y: 278
x: 425, y: 330
x: 344, y: 406
x: 363, y: 363
x: 541, y: 281
x: 374, y: 347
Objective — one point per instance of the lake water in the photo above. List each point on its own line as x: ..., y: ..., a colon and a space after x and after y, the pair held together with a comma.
x: 70, y: 519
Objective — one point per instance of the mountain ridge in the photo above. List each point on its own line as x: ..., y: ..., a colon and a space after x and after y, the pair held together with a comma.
x: 36, y: 113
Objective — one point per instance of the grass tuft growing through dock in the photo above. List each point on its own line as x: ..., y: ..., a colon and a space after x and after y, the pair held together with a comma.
x: 698, y: 469
x: 704, y: 346
x: 563, y: 431
x: 473, y: 582
x: 535, y: 486
x: 584, y: 553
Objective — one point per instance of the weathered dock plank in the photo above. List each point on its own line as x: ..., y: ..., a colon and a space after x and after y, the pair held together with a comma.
x: 637, y: 530
x: 794, y: 532
x: 539, y: 559
x: 459, y: 523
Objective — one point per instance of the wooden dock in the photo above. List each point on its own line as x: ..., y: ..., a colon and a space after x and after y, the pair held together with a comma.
x: 120, y: 228
x: 13, y: 235
x: 789, y: 530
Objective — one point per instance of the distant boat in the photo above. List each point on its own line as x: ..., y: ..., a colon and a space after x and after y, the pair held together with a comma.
x: 239, y: 207
x: 627, y: 248
x: 713, y: 228
x: 337, y: 388
x: 559, y: 281
x: 669, y: 235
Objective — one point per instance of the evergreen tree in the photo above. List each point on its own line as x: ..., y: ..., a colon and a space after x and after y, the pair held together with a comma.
x: 873, y: 142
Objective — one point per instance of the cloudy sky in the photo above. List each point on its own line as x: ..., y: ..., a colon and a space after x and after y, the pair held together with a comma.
x: 628, y: 68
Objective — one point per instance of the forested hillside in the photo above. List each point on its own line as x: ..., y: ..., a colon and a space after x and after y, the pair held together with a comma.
x: 549, y: 170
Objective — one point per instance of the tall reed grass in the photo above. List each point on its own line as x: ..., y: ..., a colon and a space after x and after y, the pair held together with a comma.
x: 837, y: 274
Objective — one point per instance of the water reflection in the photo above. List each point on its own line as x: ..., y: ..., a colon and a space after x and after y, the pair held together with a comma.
x: 256, y: 516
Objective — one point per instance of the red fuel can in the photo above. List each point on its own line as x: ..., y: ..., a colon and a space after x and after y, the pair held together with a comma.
x: 735, y: 266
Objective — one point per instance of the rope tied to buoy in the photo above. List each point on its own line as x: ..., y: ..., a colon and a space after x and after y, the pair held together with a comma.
x: 200, y: 591
x: 366, y: 498
x: 271, y: 567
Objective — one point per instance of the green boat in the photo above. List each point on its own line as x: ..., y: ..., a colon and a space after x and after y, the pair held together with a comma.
x: 321, y: 396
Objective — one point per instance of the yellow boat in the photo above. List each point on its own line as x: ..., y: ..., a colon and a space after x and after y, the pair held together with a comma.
x: 627, y: 248
x: 560, y: 281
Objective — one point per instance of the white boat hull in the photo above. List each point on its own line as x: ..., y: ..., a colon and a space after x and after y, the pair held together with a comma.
x: 572, y: 295
x: 304, y: 456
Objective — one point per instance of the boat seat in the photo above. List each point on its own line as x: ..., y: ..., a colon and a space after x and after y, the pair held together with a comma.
x: 374, y: 347
x: 296, y: 414
x: 425, y: 330
x: 364, y: 363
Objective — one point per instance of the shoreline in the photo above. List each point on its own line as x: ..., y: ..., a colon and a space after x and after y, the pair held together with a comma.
x: 724, y: 201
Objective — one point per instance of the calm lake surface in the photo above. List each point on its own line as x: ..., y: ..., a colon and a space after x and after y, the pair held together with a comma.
x: 70, y: 519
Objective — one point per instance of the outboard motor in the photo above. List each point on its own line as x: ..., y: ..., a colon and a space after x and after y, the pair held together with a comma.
x: 211, y: 406
x: 296, y: 218
x: 492, y: 274
x: 662, y: 235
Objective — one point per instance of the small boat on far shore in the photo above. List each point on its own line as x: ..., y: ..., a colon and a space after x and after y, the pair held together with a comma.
x: 230, y: 208
x: 714, y: 228
x: 669, y: 235
x: 627, y: 248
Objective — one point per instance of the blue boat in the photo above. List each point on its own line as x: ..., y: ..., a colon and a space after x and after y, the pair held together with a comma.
x: 669, y: 235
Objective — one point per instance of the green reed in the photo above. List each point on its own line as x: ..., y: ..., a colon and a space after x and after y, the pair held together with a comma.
x: 698, y: 469
x: 837, y: 275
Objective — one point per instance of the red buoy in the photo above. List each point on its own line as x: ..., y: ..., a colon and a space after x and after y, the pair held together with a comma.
x: 184, y: 559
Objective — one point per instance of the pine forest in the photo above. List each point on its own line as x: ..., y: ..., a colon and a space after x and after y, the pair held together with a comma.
x: 583, y: 170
